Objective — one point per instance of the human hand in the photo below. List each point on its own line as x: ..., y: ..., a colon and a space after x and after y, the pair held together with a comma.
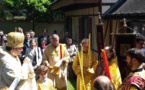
x: 64, y: 63
x: 26, y: 60
x: 47, y: 64
x: 35, y: 67
x: 71, y: 54
x: 54, y: 72
x: 84, y: 70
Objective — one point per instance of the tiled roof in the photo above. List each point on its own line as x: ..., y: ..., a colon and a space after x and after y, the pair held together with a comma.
x: 126, y: 9
x: 132, y: 7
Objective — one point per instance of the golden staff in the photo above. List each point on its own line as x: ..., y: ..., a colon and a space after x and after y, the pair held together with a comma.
x: 89, y: 48
x: 82, y: 82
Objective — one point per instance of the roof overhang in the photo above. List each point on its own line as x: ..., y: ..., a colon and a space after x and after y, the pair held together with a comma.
x: 73, y: 4
x: 130, y: 9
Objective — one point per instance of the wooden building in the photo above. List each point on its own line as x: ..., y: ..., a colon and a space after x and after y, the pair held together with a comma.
x: 81, y: 17
x: 123, y: 31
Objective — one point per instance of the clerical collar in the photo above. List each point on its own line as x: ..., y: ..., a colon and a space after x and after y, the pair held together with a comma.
x: 137, y: 70
x: 55, y: 46
x: 42, y: 80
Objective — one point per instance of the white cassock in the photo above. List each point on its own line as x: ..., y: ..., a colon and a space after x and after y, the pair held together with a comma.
x: 10, y: 68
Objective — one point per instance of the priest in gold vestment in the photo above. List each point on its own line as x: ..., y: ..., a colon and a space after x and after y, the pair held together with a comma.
x: 10, y: 66
x: 89, y: 67
x: 53, y: 55
x: 113, y: 67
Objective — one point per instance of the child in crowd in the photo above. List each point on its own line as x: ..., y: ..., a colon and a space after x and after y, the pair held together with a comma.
x: 43, y: 83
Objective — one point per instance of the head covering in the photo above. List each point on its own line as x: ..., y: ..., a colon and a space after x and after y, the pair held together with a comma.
x: 15, y: 39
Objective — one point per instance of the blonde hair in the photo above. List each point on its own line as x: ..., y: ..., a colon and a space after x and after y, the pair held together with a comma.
x: 42, y: 69
x: 85, y: 41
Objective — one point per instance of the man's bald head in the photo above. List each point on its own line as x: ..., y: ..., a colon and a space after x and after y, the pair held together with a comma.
x: 103, y: 83
x: 109, y: 52
x: 55, y: 36
x: 55, y: 39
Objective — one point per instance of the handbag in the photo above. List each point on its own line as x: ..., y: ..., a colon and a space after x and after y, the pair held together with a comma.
x: 34, y: 63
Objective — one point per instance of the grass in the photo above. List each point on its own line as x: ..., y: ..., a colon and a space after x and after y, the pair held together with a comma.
x: 71, y: 84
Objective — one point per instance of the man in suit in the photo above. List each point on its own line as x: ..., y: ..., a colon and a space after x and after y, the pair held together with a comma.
x: 26, y: 42
x: 44, y: 36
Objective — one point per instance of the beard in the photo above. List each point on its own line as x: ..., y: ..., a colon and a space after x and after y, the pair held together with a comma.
x: 129, y: 65
x: 109, y: 58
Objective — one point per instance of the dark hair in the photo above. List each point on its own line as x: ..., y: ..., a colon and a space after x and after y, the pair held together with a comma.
x: 54, y: 31
x: 42, y: 39
x: 27, y: 33
x: 8, y: 48
x: 42, y: 69
x: 136, y: 53
x: 139, y: 37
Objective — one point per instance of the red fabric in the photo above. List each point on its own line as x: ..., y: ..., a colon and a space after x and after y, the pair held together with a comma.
x: 106, y: 64
x: 134, y: 80
x: 60, y: 51
x: 43, y: 47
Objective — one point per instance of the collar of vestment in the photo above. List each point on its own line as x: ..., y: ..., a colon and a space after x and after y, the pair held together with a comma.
x: 55, y: 46
x: 114, y: 59
x: 42, y: 80
x: 137, y: 70
x: 85, y: 52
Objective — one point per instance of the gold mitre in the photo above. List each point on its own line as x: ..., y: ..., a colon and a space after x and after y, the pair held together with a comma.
x: 15, y: 39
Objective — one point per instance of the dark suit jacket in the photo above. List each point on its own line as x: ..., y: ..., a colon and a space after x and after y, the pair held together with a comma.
x: 25, y: 46
x: 39, y: 40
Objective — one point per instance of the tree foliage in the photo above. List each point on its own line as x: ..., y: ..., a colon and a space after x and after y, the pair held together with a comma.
x: 32, y: 9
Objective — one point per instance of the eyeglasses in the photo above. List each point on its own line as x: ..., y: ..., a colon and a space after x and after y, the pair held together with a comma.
x: 19, y: 48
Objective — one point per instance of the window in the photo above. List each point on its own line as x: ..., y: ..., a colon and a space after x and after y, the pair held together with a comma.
x: 138, y: 27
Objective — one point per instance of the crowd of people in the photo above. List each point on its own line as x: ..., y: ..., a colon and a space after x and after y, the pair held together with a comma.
x: 43, y: 63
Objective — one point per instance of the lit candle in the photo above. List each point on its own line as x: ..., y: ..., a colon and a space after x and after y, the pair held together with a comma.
x: 106, y: 64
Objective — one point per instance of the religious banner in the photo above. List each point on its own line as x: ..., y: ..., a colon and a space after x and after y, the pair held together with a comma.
x: 101, y: 70
x: 100, y: 45
x: 123, y: 42
x: 100, y: 38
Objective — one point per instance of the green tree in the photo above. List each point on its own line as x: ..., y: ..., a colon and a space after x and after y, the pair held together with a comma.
x: 35, y: 10
x: 32, y: 9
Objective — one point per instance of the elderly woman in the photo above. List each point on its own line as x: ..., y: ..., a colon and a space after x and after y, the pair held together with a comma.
x: 72, y: 50
x: 34, y: 53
